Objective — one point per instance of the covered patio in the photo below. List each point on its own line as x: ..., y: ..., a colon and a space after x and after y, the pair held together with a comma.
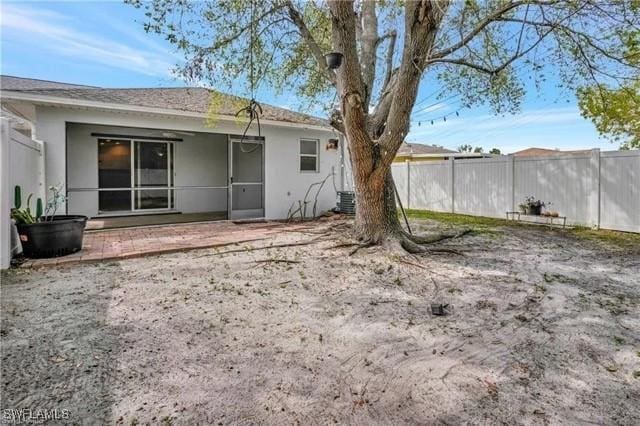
x: 130, y: 176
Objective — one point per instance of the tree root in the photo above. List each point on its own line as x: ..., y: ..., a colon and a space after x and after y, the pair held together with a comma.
x: 248, y: 249
x: 414, y: 243
x: 342, y: 245
x: 361, y: 246
x: 429, y: 239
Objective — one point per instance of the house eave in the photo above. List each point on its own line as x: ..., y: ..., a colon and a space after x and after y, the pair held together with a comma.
x: 7, y: 95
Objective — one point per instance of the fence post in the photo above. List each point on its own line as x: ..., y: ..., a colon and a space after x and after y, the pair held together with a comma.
x: 511, y: 190
x: 5, y: 200
x: 452, y: 185
x: 594, y: 196
x: 408, y: 163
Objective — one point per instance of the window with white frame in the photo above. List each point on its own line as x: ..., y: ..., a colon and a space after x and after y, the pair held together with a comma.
x: 309, y: 155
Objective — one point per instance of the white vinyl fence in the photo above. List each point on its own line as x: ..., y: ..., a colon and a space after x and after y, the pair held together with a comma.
x: 21, y: 163
x: 598, y: 189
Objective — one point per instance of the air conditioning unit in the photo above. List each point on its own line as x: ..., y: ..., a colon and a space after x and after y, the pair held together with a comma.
x: 347, y: 202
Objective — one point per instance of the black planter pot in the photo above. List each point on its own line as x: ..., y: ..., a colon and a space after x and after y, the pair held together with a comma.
x: 333, y: 59
x: 534, y: 210
x: 58, y: 237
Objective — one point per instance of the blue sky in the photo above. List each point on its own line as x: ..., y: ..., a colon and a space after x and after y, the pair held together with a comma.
x: 104, y: 44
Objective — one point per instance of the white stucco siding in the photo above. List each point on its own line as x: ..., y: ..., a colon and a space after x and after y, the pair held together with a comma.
x: 284, y: 183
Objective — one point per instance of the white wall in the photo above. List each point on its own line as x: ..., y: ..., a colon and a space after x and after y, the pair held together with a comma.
x: 284, y: 183
x: 620, y: 190
x: 21, y: 163
x: 592, y: 189
x: 430, y: 185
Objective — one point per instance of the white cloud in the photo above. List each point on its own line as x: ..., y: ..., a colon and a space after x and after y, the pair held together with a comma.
x: 54, y: 31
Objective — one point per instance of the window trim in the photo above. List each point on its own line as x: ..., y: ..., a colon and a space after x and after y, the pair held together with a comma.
x: 316, y: 155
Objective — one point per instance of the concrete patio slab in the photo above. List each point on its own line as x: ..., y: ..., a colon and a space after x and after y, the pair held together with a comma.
x: 126, y: 243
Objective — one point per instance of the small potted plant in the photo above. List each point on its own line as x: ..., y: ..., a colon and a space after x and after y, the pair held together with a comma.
x: 43, y: 233
x: 531, y: 206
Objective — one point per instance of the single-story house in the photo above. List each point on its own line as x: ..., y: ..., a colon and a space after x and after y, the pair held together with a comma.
x: 145, y: 151
x: 418, y: 152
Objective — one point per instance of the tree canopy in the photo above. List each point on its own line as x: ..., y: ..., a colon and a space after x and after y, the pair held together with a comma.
x: 484, y: 51
x: 616, y: 111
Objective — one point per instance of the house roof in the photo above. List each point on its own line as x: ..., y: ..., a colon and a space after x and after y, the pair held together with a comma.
x: 415, y: 148
x: 544, y: 152
x: 9, y: 82
x: 188, y: 99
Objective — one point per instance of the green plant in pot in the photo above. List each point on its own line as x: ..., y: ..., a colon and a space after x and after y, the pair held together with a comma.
x: 532, y: 206
x: 43, y: 233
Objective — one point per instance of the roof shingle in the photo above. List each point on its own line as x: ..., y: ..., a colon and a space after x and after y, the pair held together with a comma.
x: 189, y: 99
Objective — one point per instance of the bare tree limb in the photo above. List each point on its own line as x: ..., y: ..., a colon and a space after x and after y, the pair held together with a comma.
x: 580, y: 34
x: 422, y: 21
x: 552, y: 26
x: 492, y: 17
x: 350, y: 86
x: 245, y: 28
x: 369, y: 45
x: 389, y: 59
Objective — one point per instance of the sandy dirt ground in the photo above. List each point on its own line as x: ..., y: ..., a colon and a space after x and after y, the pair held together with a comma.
x: 543, y: 328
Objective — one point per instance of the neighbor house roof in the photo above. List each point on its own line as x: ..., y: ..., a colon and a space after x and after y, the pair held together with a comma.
x: 415, y: 148
x: 187, y: 99
x: 544, y: 152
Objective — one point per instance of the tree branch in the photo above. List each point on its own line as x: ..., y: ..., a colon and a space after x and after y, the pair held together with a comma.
x: 369, y: 45
x: 311, y: 42
x: 583, y: 36
x: 422, y: 21
x: 492, y: 17
x: 350, y: 86
x: 552, y: 26
x: 389, y: 59
x: 242, y: 30
x: 496, y: 70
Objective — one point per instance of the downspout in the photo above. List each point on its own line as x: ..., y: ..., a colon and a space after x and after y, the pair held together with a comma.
x: 342, y: 162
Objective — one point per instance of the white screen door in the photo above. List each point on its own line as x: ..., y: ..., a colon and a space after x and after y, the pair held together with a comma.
x: 246, y: 173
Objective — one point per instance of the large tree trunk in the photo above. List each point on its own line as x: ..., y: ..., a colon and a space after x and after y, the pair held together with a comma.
x: 376, y: 214
x: 371, y: 149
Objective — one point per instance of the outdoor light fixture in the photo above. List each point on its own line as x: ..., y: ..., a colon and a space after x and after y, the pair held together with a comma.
x: 333, y: 59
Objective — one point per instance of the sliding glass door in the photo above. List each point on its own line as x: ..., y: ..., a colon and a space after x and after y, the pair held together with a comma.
x: 152, y: 175
x: 135, y: 175
x: 114, y: 175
